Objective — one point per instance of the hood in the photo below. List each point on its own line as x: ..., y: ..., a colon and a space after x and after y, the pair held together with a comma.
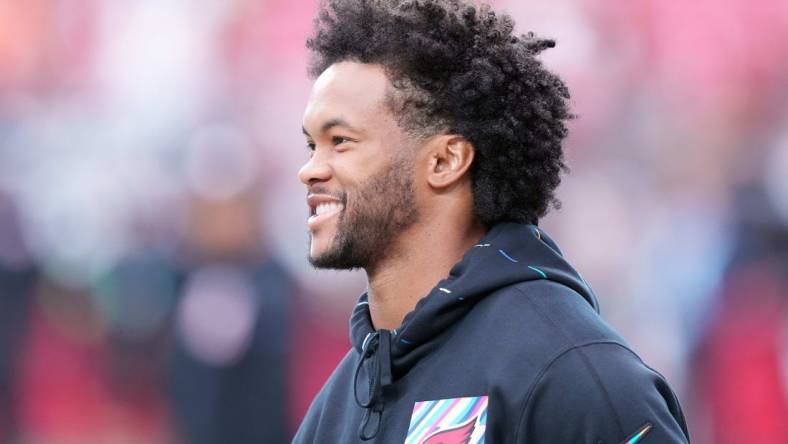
x: 508, y: 254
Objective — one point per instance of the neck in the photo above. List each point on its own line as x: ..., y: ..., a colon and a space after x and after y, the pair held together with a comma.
x: 425, y: 257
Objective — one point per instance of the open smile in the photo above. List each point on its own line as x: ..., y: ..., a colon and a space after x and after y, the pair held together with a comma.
x: 322, y: 207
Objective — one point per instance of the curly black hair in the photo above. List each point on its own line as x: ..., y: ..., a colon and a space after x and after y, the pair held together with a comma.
x: 459, y: 68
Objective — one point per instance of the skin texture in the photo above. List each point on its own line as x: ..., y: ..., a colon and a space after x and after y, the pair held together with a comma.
x: 369, y: 163
x: 366, y: 230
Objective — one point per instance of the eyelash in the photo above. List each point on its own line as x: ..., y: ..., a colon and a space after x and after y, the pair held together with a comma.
x: 336, y: 140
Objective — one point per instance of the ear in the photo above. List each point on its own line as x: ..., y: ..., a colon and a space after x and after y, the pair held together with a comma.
x: 450, y: 158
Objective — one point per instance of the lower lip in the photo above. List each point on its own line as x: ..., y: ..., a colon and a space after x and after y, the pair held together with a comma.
x: 314, y: 221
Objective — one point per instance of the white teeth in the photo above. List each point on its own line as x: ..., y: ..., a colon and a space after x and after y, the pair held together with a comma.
x: 327, y: 208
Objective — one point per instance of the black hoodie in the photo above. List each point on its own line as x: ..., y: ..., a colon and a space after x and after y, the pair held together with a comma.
x: 509, y: 348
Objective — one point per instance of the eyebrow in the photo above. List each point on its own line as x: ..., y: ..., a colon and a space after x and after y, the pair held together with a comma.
x: 331, y: 123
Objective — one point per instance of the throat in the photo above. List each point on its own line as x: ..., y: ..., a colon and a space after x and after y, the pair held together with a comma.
x: 396, y: 286
x: 390, y: 299
x: 412, y: 268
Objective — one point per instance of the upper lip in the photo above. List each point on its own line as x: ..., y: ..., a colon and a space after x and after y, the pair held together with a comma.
x: 313, y: 200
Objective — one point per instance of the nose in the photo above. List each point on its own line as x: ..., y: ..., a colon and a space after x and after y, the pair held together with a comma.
x: 314, y: 170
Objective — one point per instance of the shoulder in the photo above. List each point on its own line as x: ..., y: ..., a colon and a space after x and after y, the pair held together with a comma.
x: 553, y: 315
x: 520, y: 329
x: 600, y: 392
x: 565, y: 374
x: 587, y: 384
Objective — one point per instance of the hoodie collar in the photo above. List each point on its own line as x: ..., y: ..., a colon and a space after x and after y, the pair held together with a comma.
x: 508, y: 254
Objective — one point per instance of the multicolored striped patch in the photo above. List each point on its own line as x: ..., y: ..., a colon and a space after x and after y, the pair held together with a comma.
x: 448, y: 421
x: 635, y: 437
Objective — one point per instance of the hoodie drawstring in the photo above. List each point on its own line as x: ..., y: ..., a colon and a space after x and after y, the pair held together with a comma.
x: 376, y: 352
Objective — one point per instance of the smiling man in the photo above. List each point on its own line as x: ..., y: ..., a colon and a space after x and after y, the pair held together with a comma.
x: 435, y: 148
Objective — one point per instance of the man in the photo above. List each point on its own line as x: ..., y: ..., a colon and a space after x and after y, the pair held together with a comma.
x: 435, y: 139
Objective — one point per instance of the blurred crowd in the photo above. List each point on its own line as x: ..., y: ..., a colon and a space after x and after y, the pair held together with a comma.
x: 154, y: 286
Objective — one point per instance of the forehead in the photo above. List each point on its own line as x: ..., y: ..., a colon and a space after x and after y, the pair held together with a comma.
x: 351, y: 91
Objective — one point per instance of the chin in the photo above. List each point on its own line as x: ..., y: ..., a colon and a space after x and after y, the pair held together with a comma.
x: 335, y: 259
x: 321, y: 255
x: 320, y: 246
x: 337, y: 251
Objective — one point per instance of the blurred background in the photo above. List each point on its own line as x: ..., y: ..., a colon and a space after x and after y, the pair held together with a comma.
x: 153, y: 280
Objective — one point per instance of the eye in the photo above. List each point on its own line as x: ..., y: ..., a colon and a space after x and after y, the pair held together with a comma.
x: 338, y: 140
x: 310, y: 146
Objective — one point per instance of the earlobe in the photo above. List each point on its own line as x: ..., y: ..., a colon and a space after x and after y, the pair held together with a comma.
x: 450, y: 159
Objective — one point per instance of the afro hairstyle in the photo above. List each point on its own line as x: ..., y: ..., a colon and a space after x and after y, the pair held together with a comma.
x: 458, y: 68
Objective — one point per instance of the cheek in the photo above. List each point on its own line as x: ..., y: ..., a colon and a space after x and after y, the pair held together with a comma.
x: 423, y: 167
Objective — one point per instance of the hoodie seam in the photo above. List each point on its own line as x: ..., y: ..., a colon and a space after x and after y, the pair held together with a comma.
x: 563, y: 352
x: 592, y: 369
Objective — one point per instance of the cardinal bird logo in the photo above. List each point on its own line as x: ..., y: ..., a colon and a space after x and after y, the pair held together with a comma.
x: 448, y: 421
x: 460, y: 434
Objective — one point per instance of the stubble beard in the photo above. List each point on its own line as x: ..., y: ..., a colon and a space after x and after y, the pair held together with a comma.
x: 381, y: 209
